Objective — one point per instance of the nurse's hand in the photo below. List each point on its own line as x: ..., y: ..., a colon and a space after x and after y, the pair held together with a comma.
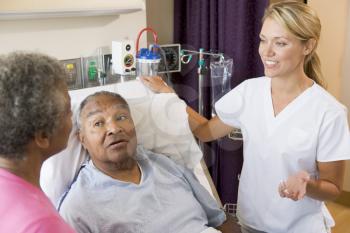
x: 156, y: 84
x: 295, y: 186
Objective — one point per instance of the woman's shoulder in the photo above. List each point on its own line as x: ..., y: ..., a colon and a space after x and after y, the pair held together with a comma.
x: 327, y: 101
x: 253, y: 85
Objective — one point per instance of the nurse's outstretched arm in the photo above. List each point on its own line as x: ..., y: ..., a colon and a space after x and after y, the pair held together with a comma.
x: 333, y: 149
x: 326, y: 187
x: 330, y: 182
x: 205, y: 130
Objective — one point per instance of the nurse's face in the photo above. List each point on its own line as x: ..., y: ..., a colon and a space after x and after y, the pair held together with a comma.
x: 281, y: 52
x: 108, y: 132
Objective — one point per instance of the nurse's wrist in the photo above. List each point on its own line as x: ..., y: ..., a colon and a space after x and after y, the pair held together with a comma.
x: 310, y: 186
x: 321, y: 190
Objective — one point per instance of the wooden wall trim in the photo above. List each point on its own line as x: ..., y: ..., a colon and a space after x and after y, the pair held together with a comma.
x: 344, y: 198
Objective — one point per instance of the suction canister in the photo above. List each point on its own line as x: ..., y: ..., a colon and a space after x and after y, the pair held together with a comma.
x: 147, y: 62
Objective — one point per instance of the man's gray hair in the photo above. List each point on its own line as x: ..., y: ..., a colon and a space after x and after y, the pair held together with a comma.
x: 92, y: 97
x: 31, y: 99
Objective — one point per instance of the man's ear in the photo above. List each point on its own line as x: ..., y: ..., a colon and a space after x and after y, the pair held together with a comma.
x: 42, y: 140
x: 81, y: 137
x: 309, y: 46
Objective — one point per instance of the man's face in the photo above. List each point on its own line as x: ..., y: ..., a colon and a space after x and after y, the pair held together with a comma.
x: 107, y: 131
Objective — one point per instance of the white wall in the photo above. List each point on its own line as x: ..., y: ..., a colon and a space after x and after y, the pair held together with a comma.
x: 67, y: 38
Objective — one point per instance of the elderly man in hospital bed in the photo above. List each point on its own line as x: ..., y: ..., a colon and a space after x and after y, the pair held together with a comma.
x: 125, y: 189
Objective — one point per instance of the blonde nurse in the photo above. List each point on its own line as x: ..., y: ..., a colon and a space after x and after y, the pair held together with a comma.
x: 296, y: 135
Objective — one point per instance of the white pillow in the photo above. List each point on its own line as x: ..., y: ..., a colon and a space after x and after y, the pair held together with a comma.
x: 161, y: 126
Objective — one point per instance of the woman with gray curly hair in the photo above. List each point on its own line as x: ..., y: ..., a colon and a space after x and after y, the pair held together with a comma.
x: 35, y: 122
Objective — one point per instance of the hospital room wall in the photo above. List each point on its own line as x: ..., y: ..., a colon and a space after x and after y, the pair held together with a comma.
x: 160, y: 17
x: 334, y: 51
x: 68, y: 37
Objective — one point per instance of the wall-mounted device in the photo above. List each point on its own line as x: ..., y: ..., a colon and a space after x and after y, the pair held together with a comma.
x: 73, y: 69
x: 91, y: 71
x: 170, y: 58
x: 123, y: 57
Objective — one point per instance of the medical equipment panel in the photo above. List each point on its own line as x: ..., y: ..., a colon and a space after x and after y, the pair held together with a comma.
x: 74, y: 71
x: 123, y: 57
x: 91, y: 72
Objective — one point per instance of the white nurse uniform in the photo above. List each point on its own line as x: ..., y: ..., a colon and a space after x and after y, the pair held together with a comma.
x: 313, y: 127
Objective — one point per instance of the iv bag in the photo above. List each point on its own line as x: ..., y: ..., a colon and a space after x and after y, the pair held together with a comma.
x: 221, y: 72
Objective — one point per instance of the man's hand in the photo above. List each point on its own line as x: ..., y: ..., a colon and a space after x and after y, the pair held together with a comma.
x: 230, y: 225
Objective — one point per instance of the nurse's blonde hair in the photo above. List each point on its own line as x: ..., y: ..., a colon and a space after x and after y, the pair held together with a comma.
x: 302, y: 21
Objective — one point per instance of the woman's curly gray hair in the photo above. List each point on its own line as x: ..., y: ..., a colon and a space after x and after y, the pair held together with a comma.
x: 31, y: 99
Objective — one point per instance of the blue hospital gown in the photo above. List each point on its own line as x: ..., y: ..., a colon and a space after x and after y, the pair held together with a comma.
x: 168, y: 199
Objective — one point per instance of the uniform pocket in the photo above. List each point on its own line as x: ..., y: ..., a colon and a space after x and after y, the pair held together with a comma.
x: 299, y: 140
x: 300, y: 151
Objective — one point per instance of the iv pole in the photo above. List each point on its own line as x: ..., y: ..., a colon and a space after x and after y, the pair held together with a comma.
x: 202, y: 70
x: 236, y: 134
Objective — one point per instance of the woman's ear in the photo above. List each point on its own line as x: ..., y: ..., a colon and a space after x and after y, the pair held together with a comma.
x: 42, y: 140
x: 309, y: 46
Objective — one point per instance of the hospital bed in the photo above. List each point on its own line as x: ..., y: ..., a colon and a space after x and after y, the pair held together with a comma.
x: 161, y: 126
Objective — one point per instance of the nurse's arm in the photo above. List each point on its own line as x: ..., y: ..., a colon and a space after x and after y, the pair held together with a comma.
x: 330, y: 182
x: 207, y: 130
